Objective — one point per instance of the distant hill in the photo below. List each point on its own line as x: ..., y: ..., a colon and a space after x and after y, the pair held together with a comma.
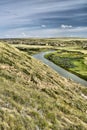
x: 34, y: 97
x: 81, y: 42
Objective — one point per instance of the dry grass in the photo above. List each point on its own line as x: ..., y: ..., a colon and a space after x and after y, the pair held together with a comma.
x: 33, y: 96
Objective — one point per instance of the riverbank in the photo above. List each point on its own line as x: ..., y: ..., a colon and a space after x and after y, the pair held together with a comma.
x: 59, y: 69
x: 73, y: 61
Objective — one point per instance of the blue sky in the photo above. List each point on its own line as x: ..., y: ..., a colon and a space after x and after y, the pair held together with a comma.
x: 43, y: 18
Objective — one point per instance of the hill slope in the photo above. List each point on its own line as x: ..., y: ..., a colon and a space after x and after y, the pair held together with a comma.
x: 33, y: 97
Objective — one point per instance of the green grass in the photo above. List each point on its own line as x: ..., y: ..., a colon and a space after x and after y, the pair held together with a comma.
x: 33, y: 96
x: 73, y: 61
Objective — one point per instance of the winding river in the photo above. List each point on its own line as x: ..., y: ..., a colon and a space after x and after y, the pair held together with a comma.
x: 58, y: 69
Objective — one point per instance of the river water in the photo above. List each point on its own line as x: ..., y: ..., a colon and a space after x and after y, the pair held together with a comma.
x: 58, y: 69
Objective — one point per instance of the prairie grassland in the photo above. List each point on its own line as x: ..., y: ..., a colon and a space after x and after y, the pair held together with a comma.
x: 33, y: 96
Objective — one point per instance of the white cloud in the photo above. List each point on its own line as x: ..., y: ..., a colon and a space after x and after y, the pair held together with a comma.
x: 43, y: 26
x: 7, y: 35
x: 66, y: 26
x: 51, y: 32
x: 23, y: 34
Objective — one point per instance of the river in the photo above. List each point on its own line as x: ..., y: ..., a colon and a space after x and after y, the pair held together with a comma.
x: 58, y: 69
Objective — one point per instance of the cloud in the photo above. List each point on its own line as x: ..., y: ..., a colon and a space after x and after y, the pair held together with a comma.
x: 23, y: 34
x: 43, y: 26
x: 57, y: 32
x: 66, y: 26
x: 28, y: 16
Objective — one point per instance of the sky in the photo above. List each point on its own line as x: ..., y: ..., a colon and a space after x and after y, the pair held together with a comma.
x: 43, y: 18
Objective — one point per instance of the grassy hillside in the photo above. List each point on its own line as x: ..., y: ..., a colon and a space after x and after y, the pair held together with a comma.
x: 34, y: 97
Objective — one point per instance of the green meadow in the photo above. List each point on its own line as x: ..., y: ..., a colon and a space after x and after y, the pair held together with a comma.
x: 73, y: 61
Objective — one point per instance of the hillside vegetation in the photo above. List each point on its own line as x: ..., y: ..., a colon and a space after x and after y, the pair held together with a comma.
x: 58, y: 42
x: 34, y: 97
